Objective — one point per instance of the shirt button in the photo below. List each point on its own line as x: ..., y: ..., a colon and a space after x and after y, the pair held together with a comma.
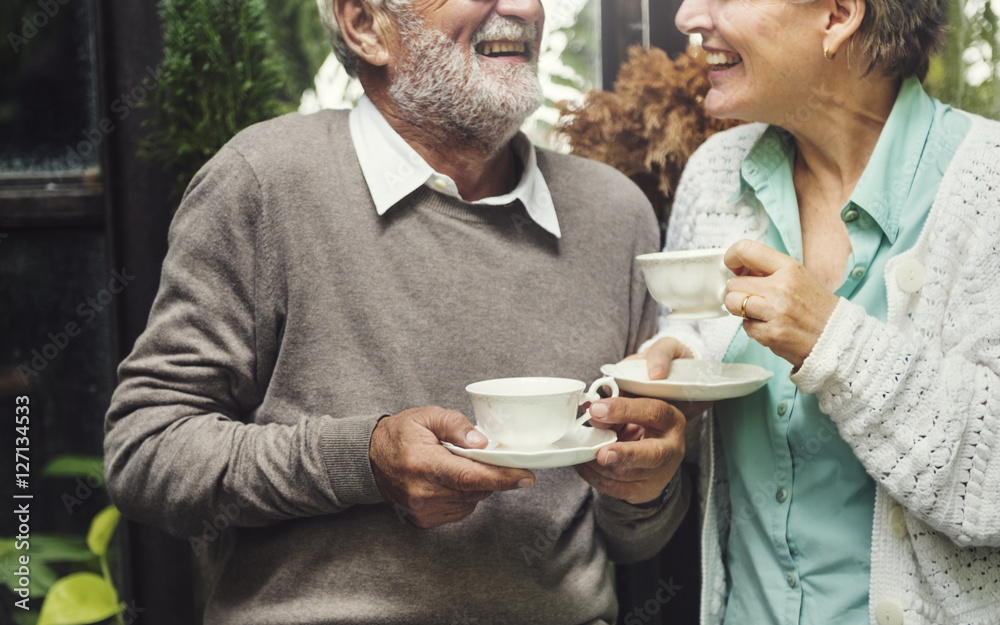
x: 790, y: 578
x: 440, y: 184
x: 897, y: 522
x: 910, y: 276
x: 781, y: 495
x: 858, y: 273
x: 851, y: 215
x: 888, y: 613
x: 782, y: 408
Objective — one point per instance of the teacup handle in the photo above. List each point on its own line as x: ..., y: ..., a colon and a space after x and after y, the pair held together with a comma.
x: 727, y: 275
x: 592, y: 396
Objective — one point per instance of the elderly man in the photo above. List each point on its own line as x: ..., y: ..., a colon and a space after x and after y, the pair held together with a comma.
x: 332, y: 279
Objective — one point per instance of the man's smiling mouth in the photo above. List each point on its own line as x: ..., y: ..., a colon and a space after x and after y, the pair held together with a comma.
x: 495, y: 49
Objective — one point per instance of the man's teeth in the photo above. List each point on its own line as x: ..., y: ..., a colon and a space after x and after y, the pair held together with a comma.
x: 497, y: 48
x: 722, y: 58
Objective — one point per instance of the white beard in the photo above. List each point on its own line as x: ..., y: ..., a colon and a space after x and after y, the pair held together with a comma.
x: 446, y: 89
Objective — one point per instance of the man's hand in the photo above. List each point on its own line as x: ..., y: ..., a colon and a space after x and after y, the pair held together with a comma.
x: 648, y: 452
x: 428, y: 484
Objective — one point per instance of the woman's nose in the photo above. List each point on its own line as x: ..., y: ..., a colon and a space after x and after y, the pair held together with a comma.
x: 693, y: 17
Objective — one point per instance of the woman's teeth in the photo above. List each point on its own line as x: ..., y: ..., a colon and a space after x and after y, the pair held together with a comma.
x: 723, y: 59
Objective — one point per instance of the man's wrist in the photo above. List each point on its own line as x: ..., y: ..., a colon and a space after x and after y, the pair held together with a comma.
x: 664, y: 496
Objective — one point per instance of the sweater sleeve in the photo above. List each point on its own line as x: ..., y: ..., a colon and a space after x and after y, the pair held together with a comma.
x: 925, y: 422
x: 186, y: 439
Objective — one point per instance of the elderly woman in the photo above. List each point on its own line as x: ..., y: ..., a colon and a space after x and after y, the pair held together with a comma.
x: 862, y: 221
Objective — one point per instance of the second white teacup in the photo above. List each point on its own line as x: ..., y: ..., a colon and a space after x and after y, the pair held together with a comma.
x: 691, y: 283
x: 532, y: 413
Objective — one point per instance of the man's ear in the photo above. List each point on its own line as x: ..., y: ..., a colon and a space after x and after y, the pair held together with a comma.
x: 843, y: 21
x: 365, y: 30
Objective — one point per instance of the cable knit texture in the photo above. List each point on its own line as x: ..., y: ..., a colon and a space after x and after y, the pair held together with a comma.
x: 916, y: 397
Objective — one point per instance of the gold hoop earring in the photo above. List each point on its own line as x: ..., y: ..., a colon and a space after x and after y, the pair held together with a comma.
x: 826, y: 54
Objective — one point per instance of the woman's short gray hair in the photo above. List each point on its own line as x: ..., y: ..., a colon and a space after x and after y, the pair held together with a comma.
x: 343, y: 53
x: 899, y: 36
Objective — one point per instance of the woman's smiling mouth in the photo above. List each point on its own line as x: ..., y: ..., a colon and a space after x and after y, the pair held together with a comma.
x: 720, y: 60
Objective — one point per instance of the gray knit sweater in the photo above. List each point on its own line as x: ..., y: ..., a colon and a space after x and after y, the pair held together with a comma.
x: 290, y: 317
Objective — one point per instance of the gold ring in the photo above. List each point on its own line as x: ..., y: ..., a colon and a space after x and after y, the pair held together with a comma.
x: 826, y: 53
x: 743, y: 308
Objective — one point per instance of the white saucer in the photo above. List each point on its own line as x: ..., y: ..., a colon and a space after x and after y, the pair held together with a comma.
x: 690, y: 380
x: 578, y: 446
x: 680, y: 315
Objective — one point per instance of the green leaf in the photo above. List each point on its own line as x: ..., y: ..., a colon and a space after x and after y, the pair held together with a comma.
x: 79, y: 599
x: 41, y: 578
x: 25, y: 618
x: 43, y: 548
x: 55, y: 548
x: 75, y: 466
x: 101, y: 529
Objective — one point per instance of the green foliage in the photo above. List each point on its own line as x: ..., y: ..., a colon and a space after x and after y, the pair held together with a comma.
x: 85, y: 596
x: 80, y: 599
x: 218, y: 76
x: 300, y: 41
x: 71, y: 465
x: 583, y: 47
x: 973, y: 39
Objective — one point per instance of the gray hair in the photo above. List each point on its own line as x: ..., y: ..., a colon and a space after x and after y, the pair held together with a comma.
x: 899, y: 36
x: 343, y: 53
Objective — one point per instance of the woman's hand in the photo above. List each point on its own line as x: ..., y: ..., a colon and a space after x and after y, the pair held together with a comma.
x: 658, y: 358
x: 788, y: 307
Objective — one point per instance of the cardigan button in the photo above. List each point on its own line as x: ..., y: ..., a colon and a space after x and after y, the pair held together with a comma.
x: 910, y: 276
x: 897, y: 522
x: 888, y: 612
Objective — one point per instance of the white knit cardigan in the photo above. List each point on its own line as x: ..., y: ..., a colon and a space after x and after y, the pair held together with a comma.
x: 916, y: 397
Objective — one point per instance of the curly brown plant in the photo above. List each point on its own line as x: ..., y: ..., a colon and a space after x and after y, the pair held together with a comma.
x: 650, y: 124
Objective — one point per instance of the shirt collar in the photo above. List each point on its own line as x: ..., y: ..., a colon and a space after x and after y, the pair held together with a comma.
x: 885, y: 184
x: 393, y: 169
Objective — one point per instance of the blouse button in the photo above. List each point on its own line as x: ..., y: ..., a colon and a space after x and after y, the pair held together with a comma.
x: 850, y: 215
x: 888, y: 613
x: 858, y: 273
x: 910, y: 275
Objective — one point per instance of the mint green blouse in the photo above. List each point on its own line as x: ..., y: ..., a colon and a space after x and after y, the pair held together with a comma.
x: 799, y: 548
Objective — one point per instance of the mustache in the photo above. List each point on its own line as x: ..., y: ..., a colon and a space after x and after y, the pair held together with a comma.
x: 497, y: 27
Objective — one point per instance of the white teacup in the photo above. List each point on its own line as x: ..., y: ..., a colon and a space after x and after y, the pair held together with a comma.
x: 691, y: 283
x: 531, y: 413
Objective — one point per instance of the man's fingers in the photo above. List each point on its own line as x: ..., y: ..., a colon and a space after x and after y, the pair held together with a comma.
x: 462, y: 474
x: 651, y: 414
x: 455, y: 428
x: 648, y: 453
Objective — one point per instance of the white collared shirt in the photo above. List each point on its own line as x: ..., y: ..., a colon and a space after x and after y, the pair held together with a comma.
x: 393, y: 169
